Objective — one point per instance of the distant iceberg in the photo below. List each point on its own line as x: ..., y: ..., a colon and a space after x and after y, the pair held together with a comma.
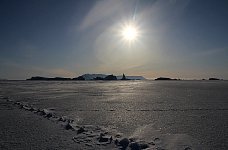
x: 119, y: 77
x: 93, y: 76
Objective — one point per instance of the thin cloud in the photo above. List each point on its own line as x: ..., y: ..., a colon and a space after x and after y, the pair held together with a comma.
x: 101, y: 10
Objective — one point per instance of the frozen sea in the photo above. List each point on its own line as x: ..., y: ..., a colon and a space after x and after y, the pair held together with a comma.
x: 198, y: 109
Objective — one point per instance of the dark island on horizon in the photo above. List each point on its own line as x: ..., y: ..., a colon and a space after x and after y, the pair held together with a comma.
x: 165, y: 78
x: 104, y: 77
x: 170, y: 79
x: 89, y: 77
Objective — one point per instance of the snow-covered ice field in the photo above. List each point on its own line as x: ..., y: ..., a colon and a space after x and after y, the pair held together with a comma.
x: 100, y: 114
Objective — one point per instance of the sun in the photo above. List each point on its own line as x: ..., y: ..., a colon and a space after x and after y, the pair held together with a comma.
x: 130, y: 32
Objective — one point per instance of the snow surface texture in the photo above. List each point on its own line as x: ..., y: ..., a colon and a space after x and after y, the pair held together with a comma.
x: 99, y: 137
x: 195, y: 108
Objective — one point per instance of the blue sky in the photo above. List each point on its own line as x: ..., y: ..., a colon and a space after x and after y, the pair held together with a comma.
x: 178, y: 38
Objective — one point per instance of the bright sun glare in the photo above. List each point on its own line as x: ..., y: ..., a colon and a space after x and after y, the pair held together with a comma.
x: 130, y: 33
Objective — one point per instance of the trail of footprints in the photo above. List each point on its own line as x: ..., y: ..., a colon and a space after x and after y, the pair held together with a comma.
x: 91, y: 135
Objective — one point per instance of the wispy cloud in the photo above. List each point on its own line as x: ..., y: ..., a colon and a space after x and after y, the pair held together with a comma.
x: 101, y: 10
